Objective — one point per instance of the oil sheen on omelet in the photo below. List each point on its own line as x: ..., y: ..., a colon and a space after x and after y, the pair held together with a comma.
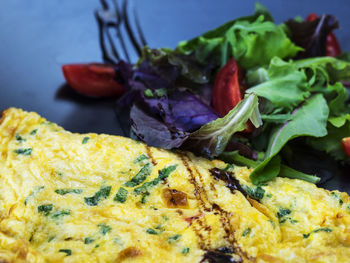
x: 68, y: 197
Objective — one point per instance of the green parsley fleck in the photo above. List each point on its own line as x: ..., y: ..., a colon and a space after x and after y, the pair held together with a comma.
x: 121, y: 195
x: 85, y: 140
x: 60, y: 214
x: 140, y: 176
x: 185, y: 250
x: 174, y: 238
x: 50, y: 239
x: 336, y: 196
x: 141, y: 158
x: 33, y: 193
x: 45, y: 209
x: 246, y: 232
x: 19, y: 138
x: 282, y: 213
x: 67, y: 251
x: 33, y: 132
x: 143, y: 198
x: 323, y: 229
x: 255, y: 193
x: 102, y: 194
x: 293, y: 221
x: 104, y: 228
x: 162, y: 175
x: 65, y: 191
x: 26, y: 151
x: 151, y: 231
x: 88, y: 240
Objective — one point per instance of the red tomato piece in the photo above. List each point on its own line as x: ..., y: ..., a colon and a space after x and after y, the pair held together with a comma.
x: 95, y: 79
x: 332, y: 46
x: 227, y: 92
x: 346, y: 145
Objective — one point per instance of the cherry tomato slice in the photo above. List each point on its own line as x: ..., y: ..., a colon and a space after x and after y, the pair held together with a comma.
x: 95, y: 79
x: 332, y: 46
x: 346, y: 145
x: 227, y: 92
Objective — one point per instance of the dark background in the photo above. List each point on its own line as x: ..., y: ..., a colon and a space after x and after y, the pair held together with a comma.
x: 38, y: 36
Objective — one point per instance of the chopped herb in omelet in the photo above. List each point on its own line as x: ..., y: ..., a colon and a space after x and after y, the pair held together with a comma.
x: 121, y: 195
x: 324, y: 229
x: 19, y: 138
x: 141, y: 158
x: 140, y: 176
x: 185, y: 250
x: 33, y: 132
x: 88, y: 240
x: 104, y: 228
x: 85, y: 140
x: 26, y: 151
x: 174, y: 238
x: 61, y: 213
x: 68, y: 191
x: 33, y: 193
x: 67, y: 251
x: 282, y: 213
x: 45, y: 209
x: 336, y: 196
x: 256, y: 193
x: 102, y: 194
x: 246, y: 232
x: 162, y: 175
x: 151, y: 231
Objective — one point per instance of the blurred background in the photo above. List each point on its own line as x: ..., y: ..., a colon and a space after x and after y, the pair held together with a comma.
x: 37, y: 37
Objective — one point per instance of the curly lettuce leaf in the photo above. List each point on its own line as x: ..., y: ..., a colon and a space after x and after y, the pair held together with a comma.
x: 310, y: 119
x: 285, y: 85
x: 211, y: 139
x: 331, y: 143
x: 252, y: 41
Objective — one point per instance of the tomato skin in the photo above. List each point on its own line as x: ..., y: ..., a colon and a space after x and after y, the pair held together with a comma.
x: 226, y: 92
x: 93, y: 79
x: 346, y: 145
x: 332, y: 46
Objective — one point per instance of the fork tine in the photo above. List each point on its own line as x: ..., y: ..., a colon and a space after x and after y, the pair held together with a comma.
x: 102, y: 29
x: 139, y: 30
x: 119, y: 33
x: 129, y: 30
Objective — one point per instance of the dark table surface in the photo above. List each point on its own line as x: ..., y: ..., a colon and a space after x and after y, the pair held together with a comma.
x: 37, y: 37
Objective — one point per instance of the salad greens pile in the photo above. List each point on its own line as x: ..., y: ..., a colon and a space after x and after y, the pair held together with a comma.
x: 295, y: 95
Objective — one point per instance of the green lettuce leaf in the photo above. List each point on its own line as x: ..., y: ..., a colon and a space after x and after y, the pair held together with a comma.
x: 252, y: 41
x: 285, y: 87
x: 310, y: 119
x: 211, y: 139
x: 331, y: 143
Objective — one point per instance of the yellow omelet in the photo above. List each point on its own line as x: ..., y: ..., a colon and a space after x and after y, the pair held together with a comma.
x: 68, y: 197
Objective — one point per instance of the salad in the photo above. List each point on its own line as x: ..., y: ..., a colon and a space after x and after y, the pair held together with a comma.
x: 249, y: 92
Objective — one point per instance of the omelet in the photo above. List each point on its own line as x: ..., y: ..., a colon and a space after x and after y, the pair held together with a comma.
x: 68, y: 197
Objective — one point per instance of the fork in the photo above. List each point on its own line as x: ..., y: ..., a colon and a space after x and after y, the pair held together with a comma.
x: 113, y: 16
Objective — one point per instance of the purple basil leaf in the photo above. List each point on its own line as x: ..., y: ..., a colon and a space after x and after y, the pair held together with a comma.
x: 182, y: 110
x: 312, y: 36
x: 153, y: 131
